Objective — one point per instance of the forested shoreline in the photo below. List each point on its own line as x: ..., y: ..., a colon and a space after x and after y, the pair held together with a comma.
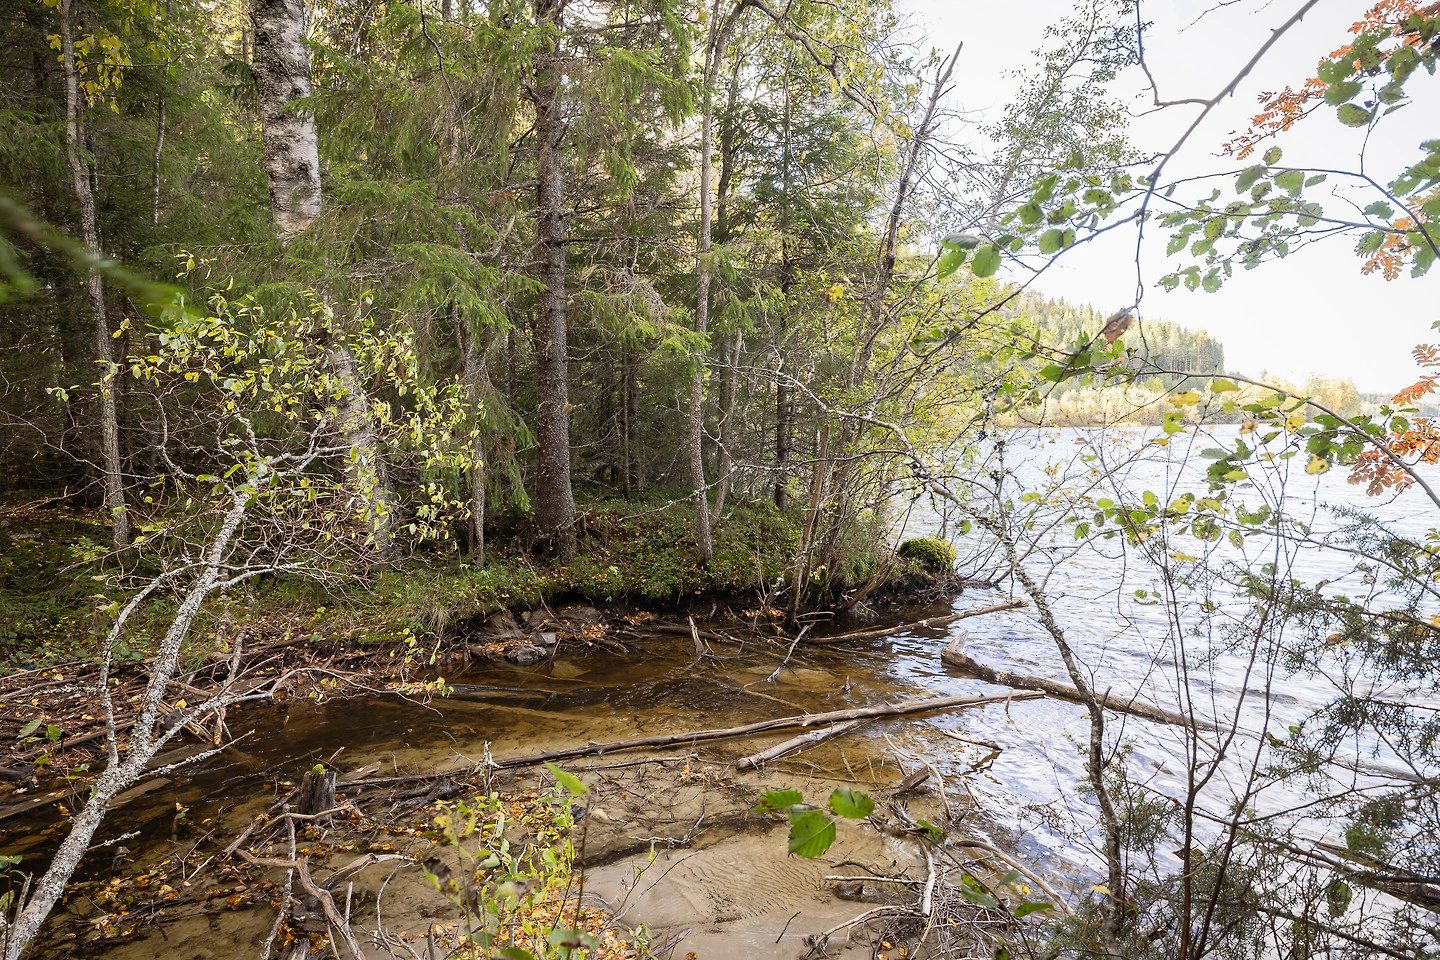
x: 582, y: 377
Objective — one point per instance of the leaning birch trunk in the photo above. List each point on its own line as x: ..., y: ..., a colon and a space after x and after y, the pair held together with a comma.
x: 110, y: 461
x: 124, y: 769
x: 281, y: 64
x: 554, y: 497
x: 370, y: 480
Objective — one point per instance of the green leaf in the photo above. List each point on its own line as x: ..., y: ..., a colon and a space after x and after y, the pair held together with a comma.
x: 1273, y: 155
x: 971, y: 890
x: 931, y: 830
x: 1338, y: 93
x: 1222, y: 385
x: 1052, y: 240
x: 1353, y: 115
x: 777, y: 801
x: 851, y: 804
x: 1337, y: 897
x: 950, y: 261
x: 1290, y: 181
x: 30, y: 727
x: 1248, y: 177
x: 516, y: 953
x: 986, y: 262
x: 1030, y: 213
x: 1032, y: 906
x: 811, y: 832
x: 569, y: 781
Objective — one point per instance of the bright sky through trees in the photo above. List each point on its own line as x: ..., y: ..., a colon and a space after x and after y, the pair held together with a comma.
x: 1313, y: 312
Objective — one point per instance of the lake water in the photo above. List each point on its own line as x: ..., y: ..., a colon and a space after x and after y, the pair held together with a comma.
x: 1132, y: 645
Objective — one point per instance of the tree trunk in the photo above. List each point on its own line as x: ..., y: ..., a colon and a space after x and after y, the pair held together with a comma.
x: 630, y: 470
x: 477, y: 381
x: 281, y: 64
x: 110, y: 461
x: 155, y: 165
x: 729, y: 394
x: 370, y: 479
x: 554, y: 498
x: 730, y: 367
x: 784, y: 392
x: 695, y: 432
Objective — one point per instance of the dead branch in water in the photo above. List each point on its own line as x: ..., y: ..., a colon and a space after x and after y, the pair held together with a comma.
x: 795, y: 743
x: 1132, y: 706
x: 952, y: 657
x: 927, y: 624
x: 903, y: 708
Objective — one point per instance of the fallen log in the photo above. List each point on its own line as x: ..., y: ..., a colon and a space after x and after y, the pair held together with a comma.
x: 903, y: 708
x: 927, y: 624
x: 796, y: 743
x: 955, y: 658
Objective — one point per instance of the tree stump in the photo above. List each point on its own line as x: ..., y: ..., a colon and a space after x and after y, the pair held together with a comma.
x: 317, y: 791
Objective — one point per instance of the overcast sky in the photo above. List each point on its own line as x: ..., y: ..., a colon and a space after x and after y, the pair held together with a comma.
x: 1312, y: 313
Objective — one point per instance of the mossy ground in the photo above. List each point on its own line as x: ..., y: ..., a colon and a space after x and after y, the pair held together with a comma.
x: 57, y: 600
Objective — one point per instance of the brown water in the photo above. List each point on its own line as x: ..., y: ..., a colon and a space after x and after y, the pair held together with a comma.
x: 722, y: 882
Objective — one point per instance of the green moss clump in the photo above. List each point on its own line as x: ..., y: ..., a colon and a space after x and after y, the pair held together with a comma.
x: 929, y: 554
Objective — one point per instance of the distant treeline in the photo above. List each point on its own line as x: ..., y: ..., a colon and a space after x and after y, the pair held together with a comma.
x: 1157, y: 345
x: 1162, y: 345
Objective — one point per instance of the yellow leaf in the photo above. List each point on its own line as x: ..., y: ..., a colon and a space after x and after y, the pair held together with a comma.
x: 1294, y: 421
x: 1248, y: 426
x: 1317, y: 465
x: 180, y: 704
x: 1186, y: 399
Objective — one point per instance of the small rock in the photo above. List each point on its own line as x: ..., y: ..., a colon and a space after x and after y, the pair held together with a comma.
x: 544, y: 638
x: 526, y: 654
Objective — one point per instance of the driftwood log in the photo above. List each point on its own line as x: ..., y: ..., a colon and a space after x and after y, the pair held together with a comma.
x: 952, y: 656
x: 955, y: 658
x: 903, y: 708
x: 797, y: 743
x: 927, y: 624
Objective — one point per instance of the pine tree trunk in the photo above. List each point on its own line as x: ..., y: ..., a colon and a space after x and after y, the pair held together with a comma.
x: 110, y: 460
x: 784, y: 393
x: 554, y: 498
x: 730, y: 367
x: 695, y: 421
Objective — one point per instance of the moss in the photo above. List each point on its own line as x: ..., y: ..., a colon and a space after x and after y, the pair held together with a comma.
x: 641, y: 552
x: 929, y: 554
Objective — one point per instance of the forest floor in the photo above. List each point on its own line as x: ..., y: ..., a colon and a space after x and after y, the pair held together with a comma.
x: 411, y: 639
x: 669, y: 838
